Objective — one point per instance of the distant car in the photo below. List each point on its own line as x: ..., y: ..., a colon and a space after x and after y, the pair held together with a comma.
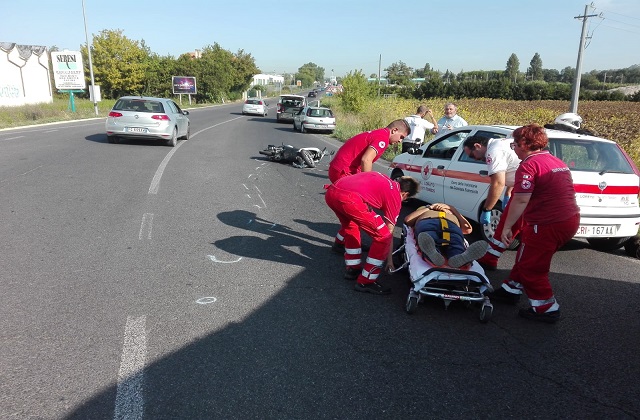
x: 311, y: 94
x: 313, y: 118
x: 142, y: 117
x: 606, y: 180
x: 255, y: 106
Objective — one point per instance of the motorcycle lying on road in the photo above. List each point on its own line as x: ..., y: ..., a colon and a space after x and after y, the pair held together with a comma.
x: 305, y: 157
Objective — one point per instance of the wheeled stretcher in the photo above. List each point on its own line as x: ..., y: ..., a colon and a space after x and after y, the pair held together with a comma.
x: 449, y: 284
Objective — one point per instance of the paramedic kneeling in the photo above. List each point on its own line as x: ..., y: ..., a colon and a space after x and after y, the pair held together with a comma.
x: 544, y: 196
x: 440, y: 229
x: 351, y: 198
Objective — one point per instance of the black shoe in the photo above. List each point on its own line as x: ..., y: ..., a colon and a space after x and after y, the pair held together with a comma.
x: 548, y: 317
x: 337, y: 248
x: 352, y: 273
x: 503, y: 296
x: 375, y: 288
x: 365, y: 248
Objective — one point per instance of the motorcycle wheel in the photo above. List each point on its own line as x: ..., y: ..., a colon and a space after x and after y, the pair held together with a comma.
x: 307, y: 158
x: 266, y: 152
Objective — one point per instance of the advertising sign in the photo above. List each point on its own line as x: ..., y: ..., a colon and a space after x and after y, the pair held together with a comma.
x: 68, y: 71
x: 183, y: 84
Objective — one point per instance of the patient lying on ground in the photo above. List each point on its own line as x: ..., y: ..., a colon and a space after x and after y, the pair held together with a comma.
x: 440, y: 229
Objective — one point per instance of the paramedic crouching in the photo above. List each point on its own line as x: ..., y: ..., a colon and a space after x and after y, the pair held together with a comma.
x: 351, y: 198
x: 544, y: 196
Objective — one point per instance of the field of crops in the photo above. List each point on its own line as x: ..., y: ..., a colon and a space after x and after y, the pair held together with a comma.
x: 618, y: 121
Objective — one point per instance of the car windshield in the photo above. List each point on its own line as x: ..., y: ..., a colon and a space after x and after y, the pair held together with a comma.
x: 326, y: 113
x: 590, y: 156
x: 254, y: 102
x: 138, y: 105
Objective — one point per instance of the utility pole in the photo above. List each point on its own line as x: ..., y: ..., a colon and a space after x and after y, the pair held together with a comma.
x: 575, y: 93
x: 94, y: 93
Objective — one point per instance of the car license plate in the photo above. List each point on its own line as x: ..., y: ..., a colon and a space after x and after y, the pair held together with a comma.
x: 591, y: 230
x: 137, y: 130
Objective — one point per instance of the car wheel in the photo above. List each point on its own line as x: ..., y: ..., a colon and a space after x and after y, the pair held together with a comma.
x: 173, y: 140
x: 632, y: 246
x: 188, y: 134
x: 606, y: 244
x: 489, y: 230
x: 397, y: 173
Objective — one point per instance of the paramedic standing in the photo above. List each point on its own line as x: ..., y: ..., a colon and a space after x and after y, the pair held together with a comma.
x: 449, y: 120
x: 352, y: 199
x: 502, y: 163
x: 545, y: 197
x: 359, y: 152
x: 419, y: 127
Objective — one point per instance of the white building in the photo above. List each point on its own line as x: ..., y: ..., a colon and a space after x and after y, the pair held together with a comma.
x: 267, y: 79
x: 24, y: 74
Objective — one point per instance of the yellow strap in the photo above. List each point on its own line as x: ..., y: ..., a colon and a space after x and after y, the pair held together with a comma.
x: 446, y: 236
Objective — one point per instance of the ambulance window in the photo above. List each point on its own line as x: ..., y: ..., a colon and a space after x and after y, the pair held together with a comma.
x: 445, y: 147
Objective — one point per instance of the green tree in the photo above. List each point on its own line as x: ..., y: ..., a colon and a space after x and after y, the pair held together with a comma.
x: 399, y: 73
x: 119, y: 63
x: 567, y: 75
x: 535, y: 68
x: 513, y: 68
x: 310, y: 73
x: 357, y: 91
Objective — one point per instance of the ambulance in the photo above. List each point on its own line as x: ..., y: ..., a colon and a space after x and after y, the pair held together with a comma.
x: 606, y: 180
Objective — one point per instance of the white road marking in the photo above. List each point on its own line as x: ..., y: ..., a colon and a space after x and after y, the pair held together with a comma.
x: 129, y: 393
x: 206, y: 300
x: 12, y: 138
x: 214, y: 259
x: 28, y: 172
x: 147, y: 221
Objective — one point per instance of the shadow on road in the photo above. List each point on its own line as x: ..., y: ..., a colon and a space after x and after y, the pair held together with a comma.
x: 319, y: 350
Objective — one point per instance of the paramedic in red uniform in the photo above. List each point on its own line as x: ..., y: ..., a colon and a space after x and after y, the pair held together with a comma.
x: 544, y: 196
x: 352, y: 199
x: 359, y: 152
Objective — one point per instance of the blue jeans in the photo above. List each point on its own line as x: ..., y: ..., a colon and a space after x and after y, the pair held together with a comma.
x: 434, y: 228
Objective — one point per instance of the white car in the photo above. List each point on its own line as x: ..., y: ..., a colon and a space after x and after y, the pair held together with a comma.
x: 606, y: 180
x: 313, y: 118
x: 142, y: 117
x: 255, y: 106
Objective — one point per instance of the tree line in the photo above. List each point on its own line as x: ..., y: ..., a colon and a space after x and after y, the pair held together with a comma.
x: 536, y: 83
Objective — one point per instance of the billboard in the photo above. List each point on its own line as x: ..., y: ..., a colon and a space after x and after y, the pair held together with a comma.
x: 68, y: 71
x: 184, y: 84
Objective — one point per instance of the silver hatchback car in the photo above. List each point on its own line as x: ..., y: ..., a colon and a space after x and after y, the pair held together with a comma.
x: 142, y: 117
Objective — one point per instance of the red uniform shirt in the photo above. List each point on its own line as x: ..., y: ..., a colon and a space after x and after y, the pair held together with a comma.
x: 349, y: 156
x: 377, y: 190
x: 548, y: 180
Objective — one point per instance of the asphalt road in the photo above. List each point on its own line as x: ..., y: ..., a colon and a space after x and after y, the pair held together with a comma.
x: 139, y: 281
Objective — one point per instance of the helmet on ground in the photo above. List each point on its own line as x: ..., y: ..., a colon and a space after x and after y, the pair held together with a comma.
x: 569, y: 119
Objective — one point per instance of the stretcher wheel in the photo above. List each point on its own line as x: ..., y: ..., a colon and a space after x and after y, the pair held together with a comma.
x: 411, y: 305
x: 485, y: 313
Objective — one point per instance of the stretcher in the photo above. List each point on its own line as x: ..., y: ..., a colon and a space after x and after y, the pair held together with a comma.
x: 469, y: 285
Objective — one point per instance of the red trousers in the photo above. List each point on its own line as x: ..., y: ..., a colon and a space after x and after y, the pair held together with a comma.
x: 354, y: 214
x: 533, y: 260
x: 496, y: 246
x: 336, y: 174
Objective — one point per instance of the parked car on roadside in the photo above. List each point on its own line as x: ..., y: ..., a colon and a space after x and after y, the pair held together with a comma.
x: 255, y: 106
x: 143, y: 117
x: 314, y: 118
x: 606, y: 180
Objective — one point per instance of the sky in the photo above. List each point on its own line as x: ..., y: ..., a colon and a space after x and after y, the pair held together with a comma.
x: 348, y: 35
